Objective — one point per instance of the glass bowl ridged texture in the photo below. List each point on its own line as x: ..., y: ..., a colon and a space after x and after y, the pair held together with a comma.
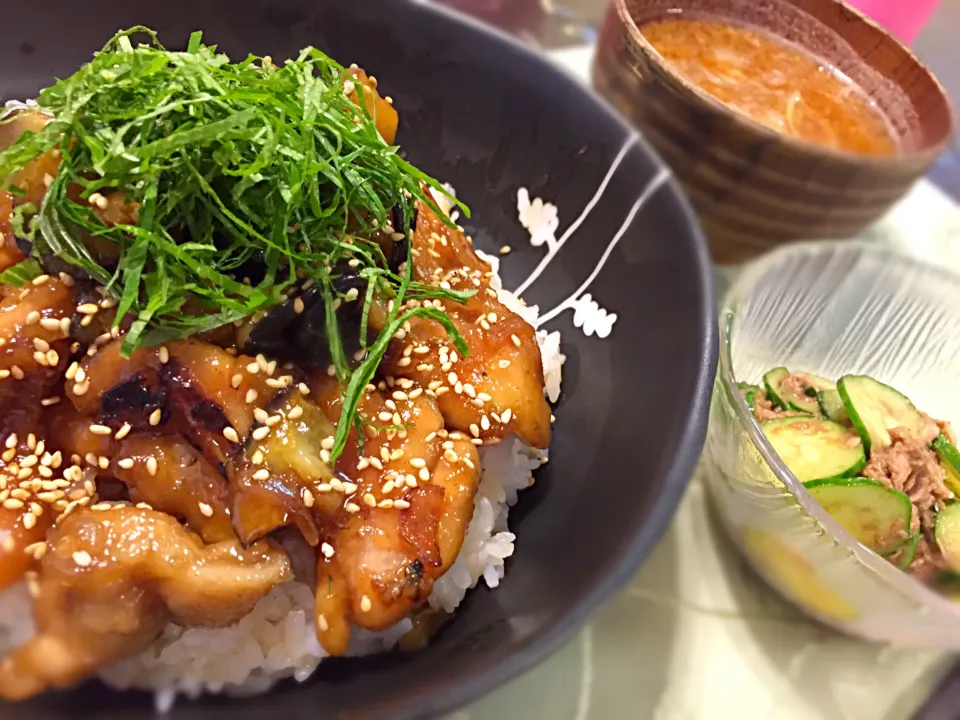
x: 831, y: 309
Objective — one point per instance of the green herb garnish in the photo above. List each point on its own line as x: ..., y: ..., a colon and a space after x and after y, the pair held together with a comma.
x: 222, y: 163
x: 21, y: 273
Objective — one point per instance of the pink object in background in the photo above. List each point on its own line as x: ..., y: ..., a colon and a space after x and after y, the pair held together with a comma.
x: 904, y: 18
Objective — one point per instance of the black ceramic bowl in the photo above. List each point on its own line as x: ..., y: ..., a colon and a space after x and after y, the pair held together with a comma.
x: 488, y: 116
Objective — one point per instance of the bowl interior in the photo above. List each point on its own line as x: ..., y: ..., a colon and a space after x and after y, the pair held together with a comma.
x: 488, y: 116
x: 852, y: 308
x: 903, y: 89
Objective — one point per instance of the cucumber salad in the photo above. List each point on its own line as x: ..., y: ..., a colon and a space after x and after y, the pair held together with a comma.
x: 887, y: 472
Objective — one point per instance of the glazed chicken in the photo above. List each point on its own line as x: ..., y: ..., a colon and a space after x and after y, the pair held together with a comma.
x: 498, y: 389
x: 394, y: 517
x: 34, y: 349
x: 111, y: 579
x: 156, y: 488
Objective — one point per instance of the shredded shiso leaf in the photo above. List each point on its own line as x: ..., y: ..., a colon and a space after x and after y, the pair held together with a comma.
x: 224, y: 163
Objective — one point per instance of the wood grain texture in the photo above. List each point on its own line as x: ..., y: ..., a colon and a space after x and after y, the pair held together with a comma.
x: 754, y: 188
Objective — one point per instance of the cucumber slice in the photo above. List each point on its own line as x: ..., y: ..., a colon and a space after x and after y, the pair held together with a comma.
x: 947, y: 532
x: 771, y: 383
x: 949, y: 461
x: 831, y: 405
x: 875, y: 409
x: 750, y: 393
x: 815, y: 449
x: 874, y: 514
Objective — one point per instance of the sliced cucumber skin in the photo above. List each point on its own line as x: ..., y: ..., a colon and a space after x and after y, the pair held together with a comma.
x: 749, y: 393
x: 908, y: 551
x: 771, y: 383
x: 947, y: 532
x: 949, y: 461
x: 858, y: 495
x: 850, y: 459
x: 855, y: 391
x: 831, y: 405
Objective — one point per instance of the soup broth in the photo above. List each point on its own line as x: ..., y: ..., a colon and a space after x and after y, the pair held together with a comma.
x: 774, y: 83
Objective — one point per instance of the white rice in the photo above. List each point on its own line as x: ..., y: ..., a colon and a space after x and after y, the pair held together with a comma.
x: 277, y: 639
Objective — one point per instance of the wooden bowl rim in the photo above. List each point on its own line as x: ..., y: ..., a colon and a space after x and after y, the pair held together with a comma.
x: 923, y: 156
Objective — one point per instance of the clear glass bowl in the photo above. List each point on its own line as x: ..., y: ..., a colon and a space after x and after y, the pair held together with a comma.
x: 831, y: 309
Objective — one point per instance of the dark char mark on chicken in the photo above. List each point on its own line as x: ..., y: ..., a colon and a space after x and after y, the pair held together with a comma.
x: 133, y: 401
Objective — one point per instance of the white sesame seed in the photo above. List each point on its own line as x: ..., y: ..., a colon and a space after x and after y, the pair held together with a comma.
x: 164, y: 354
x: 401, y: 504
x: 263, y: 474
x: 365, y: 604
x: 231, y: 434
x: 322, y: 623
x: 351, y: 508
x: 100, y: 430
x: 474, y: 430
x: 82, y: 558
x: 260, y: 433
x: 205, y: 509
x: 88, y: 309
x: 33, y: 317
x: 506, y: 415
x: 295, y: 412
x: 253, y: 368
x: 152, y: 465
x: 236, y: 380
x: 155, y: 417
x: 126, y: 463
x: 260, y: 415
x: 307, y: 497
x: 327, y: 550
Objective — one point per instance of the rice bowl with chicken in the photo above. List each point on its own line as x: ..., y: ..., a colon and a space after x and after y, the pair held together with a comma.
x: 263, y: 402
